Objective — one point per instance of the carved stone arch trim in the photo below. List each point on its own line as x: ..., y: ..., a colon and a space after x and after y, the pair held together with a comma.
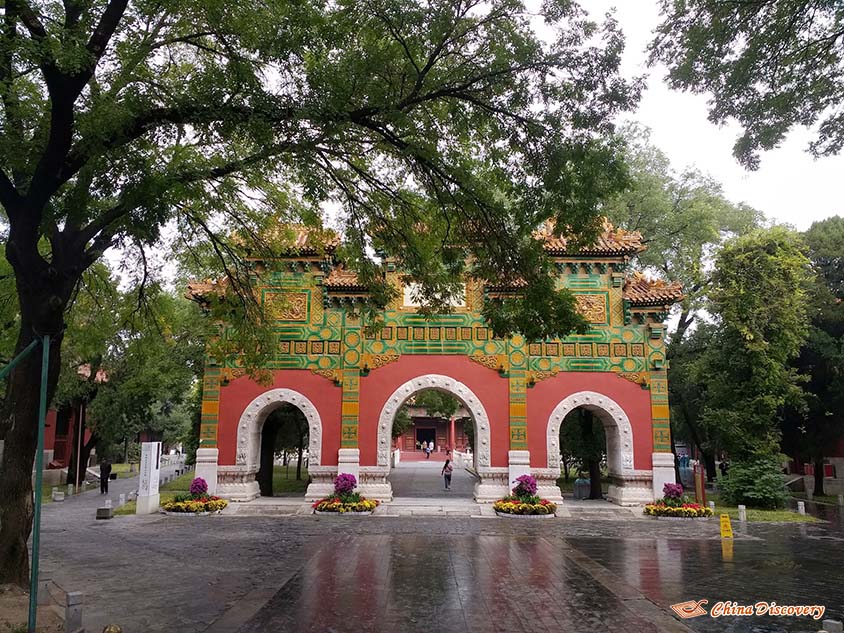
x: 256, y: 412
x: 616, y: 423
x: 443, y: 383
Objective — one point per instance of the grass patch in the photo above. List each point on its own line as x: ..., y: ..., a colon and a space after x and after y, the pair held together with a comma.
x: 568, y: 486
x: 130, y: 506
x: 756, y: 515
x: 285, y: 482
x: 180, y: 483
x: 830, y: 499
x: 122, y: 470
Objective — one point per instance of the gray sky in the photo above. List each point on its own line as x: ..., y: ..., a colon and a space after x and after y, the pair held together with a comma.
x: 790, y: 185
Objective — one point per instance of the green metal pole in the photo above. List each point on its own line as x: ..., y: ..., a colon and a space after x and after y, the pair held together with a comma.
x: 39, y: 467
x: 18, y: 358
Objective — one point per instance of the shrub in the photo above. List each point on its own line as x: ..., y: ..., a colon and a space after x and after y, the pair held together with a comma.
x: 756, y: 484
x: 198, y: 486
x: 525, y: 486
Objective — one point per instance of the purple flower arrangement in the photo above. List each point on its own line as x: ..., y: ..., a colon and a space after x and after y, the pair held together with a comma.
x: 673, y: 491
x: 525, y: 486
x: 345, y: 484
x: 198, y: 487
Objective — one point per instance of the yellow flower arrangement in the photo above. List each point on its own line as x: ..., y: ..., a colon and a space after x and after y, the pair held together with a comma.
x: 687, y: 511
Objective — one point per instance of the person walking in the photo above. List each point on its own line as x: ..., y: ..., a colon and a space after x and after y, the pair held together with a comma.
x: 446, y: 473
x: 105, y: 473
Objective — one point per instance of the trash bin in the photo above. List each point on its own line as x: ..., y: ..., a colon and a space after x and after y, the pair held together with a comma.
x: 582, y: 488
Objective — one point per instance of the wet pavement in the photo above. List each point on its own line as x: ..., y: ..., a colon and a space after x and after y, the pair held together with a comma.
x: 309, y: 573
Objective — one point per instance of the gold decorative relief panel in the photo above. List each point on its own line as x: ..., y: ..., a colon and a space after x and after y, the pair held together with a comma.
x: 592, y: 307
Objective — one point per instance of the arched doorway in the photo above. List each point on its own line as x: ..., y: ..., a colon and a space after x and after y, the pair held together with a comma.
x: 284, y: 443
x: 239, y: 482
x: 428, y: 437
x: 626, y: 487
x: 487, y: 486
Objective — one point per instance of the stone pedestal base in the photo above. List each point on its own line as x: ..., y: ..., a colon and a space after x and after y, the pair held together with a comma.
x: 519, y: 464
x: 237, y: 483
x: 147, y: 504
x: 206, y: 467
x: 492, y: 485
x: 546, y: 484
x: 663, y: 469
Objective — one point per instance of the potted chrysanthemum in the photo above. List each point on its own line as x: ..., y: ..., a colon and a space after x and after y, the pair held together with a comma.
x: 676, y: 505
x: 196, y: 502
x: 524, y: 502
x: 345, y: 499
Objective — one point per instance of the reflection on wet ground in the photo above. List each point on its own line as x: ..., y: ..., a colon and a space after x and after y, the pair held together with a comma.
x: 459, y: 583
x: 786, y: 564
x: 541, y: 582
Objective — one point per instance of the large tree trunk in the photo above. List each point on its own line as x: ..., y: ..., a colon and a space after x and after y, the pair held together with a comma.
x: 265, y: 472
x: 83, y: 457
x: 43, y: 291
x: 20, y: 431
x: 818, y: 463
x: 301, y: 450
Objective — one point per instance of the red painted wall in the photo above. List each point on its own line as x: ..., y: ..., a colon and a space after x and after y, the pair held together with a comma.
x: 488, y: 386
x: 236, y: 396
x: 547, y: 394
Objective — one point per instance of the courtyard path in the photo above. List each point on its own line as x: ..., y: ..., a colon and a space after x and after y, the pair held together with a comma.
x: 231, y: 574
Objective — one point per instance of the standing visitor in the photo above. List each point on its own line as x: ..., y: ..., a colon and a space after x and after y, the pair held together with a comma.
x: 446, y: 473
x: 105, y: 473
x: 427, y: 450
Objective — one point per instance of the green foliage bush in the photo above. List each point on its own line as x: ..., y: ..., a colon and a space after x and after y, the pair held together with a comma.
x: 755, y: 483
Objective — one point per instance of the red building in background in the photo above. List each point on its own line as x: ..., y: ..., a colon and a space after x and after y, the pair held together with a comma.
x: 446, y: 434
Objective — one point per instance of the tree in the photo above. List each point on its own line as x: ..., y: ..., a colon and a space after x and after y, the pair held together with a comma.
x: 759, y: 299
x: 120, y: 117
x: 685, y: 220
x: 818, y: 422
x: 683, y: 217
x: 769, y: 64
x: 582, y: 437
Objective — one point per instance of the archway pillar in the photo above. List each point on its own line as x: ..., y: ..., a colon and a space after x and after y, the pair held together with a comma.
x: 206, y: 467
x: 663, y: 472
x: 348, y: 462
x: 519, y: 464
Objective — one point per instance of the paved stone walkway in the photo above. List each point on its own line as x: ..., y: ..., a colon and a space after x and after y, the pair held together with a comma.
x: 422, y: 479
x: 84, y: 505
x: 230, y: 574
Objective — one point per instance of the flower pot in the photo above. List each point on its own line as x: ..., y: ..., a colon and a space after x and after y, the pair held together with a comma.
x: 344, y: 513
x: 189, y: 514
x: 526, y: 516
x: 682, y: 518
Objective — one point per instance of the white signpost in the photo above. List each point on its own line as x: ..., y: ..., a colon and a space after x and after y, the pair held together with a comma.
x: 148, y: 496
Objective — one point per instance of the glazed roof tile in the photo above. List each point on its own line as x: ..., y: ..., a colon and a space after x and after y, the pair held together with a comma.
x: 641, y: 290
x: 611, y: 241
x: 342, y: 278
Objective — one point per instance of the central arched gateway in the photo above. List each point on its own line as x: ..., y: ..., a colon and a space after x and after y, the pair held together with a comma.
x: 349, y: 371
x: 375, y: 480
